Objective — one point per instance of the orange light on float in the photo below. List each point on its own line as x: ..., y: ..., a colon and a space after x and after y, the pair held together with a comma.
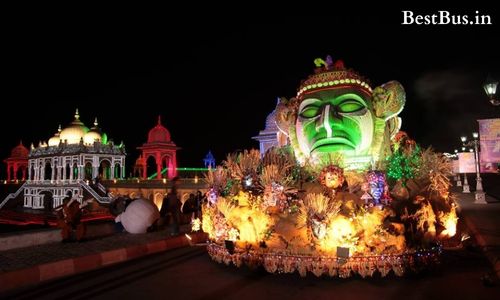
x: 195, y: 224
x: 449, y: 221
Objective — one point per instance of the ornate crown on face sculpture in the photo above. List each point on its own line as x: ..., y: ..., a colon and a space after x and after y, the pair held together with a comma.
x: 329, y: 75
x: 336, y: 111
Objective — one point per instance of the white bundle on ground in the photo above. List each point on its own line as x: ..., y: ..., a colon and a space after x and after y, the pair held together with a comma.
x: 139, y: 215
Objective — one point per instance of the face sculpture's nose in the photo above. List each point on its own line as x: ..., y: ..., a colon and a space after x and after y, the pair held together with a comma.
x: 327, y: 119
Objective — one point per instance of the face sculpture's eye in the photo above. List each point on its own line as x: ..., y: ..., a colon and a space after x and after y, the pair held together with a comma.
x: 310, y: 111
x: 346, y: 106
x: 350, y: 106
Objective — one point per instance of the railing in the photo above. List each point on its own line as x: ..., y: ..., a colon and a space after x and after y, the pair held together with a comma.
x: 100, y: 199
x: 12, y: 195
x: 101, y: 187
x: 183, y: 171
x: 199, y: 180
x: 53, y: 182
x: 155, y: 183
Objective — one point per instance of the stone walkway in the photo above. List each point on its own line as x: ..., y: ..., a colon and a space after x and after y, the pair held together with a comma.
x: 30, y: 256
x: 483, y: 221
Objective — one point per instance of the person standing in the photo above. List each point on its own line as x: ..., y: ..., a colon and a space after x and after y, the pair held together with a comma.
x: 174, y: 207
x: 70, y: 215
x: 164, y: 216
x: 199, y: 204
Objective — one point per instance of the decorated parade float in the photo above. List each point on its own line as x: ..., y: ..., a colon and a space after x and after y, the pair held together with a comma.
x: 350, y: 194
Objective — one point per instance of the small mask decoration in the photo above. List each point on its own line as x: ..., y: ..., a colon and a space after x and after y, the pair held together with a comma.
x: 212, y: 195
x: 318, y: 226
x: 376, y: 186
x: 332, y: 177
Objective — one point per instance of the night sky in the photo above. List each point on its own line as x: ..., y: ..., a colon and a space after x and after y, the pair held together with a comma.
x: 214, y: 80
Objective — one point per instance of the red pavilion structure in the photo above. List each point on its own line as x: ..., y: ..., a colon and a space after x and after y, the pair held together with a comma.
x: 17, y: 162
x: 162, y: 149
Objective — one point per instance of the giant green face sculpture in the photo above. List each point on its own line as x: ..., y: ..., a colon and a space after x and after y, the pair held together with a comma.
x: 336, y: 112
x: 335, y: 120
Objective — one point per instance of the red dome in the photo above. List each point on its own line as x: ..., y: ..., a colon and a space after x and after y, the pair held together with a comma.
x: 19, y: 151
x: 159, y: 134
x: 139, y: 161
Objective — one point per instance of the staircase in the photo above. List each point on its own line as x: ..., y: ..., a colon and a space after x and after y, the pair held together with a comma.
x: 91, y: 191
x: 101, y: 188
x: 12, y: 195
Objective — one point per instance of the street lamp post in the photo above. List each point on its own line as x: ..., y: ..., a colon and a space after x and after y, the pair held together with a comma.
x: 479, y: 194
x: 465, y: 188
x: 457, y: 177
x: 490, y: 87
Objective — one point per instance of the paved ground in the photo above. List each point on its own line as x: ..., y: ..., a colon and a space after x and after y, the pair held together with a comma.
x: 31, y: 256
x: 491, y: 183
x: 44, y: 266
x: 483, y: 222
x: 189, y: 273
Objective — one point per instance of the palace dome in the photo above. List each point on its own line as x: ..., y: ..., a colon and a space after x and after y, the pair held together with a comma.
x: 93, y: 135
x: 104, y: 138
x: 54, y: 141
x: 19, y: 151
x: 159, y: 134
x: 139, y: 161
x: 74, y: 132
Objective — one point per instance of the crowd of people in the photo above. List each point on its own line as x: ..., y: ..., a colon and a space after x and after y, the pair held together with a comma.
x: 172, y: 207
x: 134, y: 215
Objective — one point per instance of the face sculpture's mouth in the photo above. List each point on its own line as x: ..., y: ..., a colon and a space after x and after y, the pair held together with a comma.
x: 332, y: 144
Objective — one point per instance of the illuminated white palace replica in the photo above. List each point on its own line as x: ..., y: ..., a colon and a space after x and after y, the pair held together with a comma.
x: 70, y: 162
